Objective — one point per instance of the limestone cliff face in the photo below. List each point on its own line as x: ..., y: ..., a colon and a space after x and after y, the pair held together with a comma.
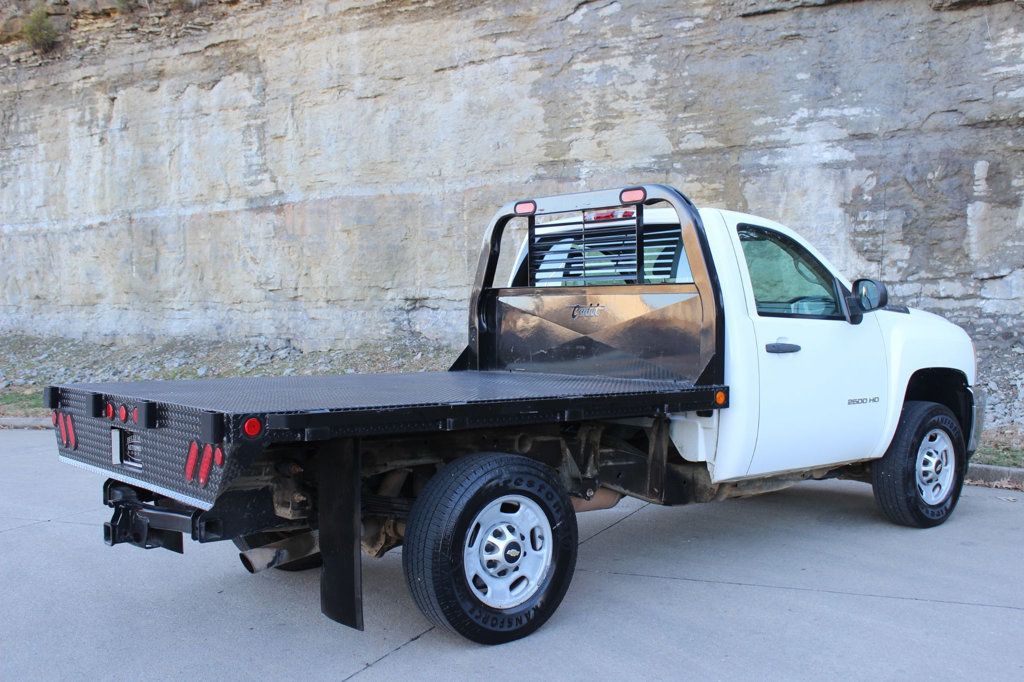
x: 323, y: 171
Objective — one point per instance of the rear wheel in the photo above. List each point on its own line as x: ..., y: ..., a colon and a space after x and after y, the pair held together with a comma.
x: 918, y: 480
x: 490, y: 547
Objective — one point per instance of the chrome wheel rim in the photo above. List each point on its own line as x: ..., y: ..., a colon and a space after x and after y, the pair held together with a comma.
x: 507, y: 551
x: 936, y: 467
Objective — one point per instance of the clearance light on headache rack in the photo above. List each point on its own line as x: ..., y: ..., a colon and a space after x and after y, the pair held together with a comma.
x: 634, y: 195
x: 526, y: 208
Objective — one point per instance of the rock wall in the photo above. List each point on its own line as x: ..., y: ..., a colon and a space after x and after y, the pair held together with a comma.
x: 323, y: 171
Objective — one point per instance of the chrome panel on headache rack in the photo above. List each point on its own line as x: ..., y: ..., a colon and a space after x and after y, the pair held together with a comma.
x: 624, y: 331
x: 611, y: 293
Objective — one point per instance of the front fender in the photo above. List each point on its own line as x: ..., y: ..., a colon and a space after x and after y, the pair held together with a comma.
x: 920, y: 340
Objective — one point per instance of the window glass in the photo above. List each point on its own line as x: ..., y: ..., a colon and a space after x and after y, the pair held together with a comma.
x: 565, y: 258
x: 786, y: 279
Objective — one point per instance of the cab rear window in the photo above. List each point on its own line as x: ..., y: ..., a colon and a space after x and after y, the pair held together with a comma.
x: 603, y: 248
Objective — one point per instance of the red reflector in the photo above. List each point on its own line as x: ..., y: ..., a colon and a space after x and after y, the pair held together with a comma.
x: 218, y: 456
x: 72, y: 441
x: 63, y: 430
x: 252, y: 427
x: 633, y: 196
x: 204, y: 466
x: 53, y: 417
x: 135, y: 415
x: 122, y: 413
x: 526, y: 207
x: 190, y: 462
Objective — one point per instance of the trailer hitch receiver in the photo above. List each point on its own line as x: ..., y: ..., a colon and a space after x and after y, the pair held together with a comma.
x: 144, y: 525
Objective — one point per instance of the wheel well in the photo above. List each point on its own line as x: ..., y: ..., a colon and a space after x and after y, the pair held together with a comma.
x: 947, y: 387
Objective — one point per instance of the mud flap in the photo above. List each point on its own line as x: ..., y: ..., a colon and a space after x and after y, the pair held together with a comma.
x: 340, y: 523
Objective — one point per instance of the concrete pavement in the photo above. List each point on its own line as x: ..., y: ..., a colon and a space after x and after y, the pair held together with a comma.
x: 810, y: 582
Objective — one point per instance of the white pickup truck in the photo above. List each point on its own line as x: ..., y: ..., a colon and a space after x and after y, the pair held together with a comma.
x: 640, y: 347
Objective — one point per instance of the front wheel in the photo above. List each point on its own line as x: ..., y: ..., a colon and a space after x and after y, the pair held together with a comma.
x: 490, y: 547
x: 918, y: 480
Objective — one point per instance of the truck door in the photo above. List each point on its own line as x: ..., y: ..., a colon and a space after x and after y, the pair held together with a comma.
x: 822, y: 379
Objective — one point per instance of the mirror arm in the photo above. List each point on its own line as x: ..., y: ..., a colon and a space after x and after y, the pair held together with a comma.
x: 854, y: 314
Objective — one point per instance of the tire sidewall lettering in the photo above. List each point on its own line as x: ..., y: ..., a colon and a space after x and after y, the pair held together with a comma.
x: 551, y: 502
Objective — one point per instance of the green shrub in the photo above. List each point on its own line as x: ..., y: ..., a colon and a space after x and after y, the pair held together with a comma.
x: 38, y: 30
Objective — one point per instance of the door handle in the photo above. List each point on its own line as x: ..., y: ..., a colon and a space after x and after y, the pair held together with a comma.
x: 782, y: 348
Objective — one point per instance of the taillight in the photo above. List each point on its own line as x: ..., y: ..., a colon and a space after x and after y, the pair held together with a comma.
x: 70, y: 426
x: 204, y: 466
x: 135, y: 415
x: 109, y: 410
x: 190, y: 461
x: 63, y: 430
x: 218, y: 456
x: 53, y: 417
x: 122, y: 413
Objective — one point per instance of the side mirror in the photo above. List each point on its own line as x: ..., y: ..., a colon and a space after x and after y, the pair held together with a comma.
x: 870, y: 294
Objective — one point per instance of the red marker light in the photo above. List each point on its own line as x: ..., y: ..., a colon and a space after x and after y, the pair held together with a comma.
x: 122, y: 413
x: 252, y: 427
x: 617, y: 214
x: 526, y: 207
x: 53, y: 417
x: 109, y: 410
x: 204, y: 466
x: 135, y: 415
x: 63, y: 430
x: 190, y: 461
x: 633, y: 196
x: 72, y: 441
x: 218, y: 456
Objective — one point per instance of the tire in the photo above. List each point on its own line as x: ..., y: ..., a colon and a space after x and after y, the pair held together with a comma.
x: 247, y: 542
x: 488, y: 514
x: 912, y: 482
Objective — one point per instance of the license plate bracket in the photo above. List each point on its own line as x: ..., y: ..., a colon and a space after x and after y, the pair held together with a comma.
x: 125, y: 448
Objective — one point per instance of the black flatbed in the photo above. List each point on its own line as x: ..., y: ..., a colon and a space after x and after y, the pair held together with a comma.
x: 364, y: 404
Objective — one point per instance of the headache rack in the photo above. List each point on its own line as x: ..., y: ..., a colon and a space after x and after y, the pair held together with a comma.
x: 604, y: 246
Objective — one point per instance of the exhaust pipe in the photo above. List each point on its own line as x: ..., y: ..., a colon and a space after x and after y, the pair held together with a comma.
x: 280, y: 552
